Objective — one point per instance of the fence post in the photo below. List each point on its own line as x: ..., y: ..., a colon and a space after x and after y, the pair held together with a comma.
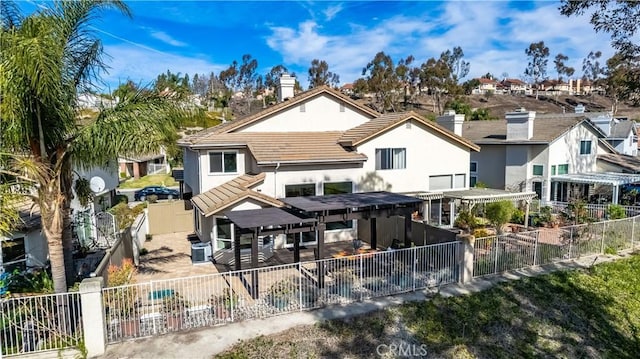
x: 361, y: 277
x: 571, y: 243
x: 153, y: 305
x: 93, y: 320
x: 535, y: 248
x: 604, y: 227
x: 466, y: 257
x: 495, y: 264
x: 230, y: 292
x: 414, y: 260
x: 300, y: 285
x: 633, y: 230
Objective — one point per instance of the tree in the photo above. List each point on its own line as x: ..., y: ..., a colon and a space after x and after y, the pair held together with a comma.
x: 619, y: 69
x: 173, y: 84
x: 620, y: 19
x: 382, y: 80
x: 538, y: 55
x: 499, y: 213
x: 319, y: 75
x: 407, y: 76
x: 47, y: 57
x: 591, y: 68
x: 561, y: 67
x: 441, y: 76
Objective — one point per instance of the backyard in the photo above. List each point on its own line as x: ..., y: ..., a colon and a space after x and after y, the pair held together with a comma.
x: 590, y: 313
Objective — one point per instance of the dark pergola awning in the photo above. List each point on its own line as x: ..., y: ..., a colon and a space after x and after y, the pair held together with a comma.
x: 350, y: 201
x: 256, y: 218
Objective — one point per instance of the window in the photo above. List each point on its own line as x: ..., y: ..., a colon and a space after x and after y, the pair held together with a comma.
x: 224, y: 233
x: 223, y: 162
x: 391, y: 158
x: 300, y: 190
x: 563, y: 169
x: 537, y: 188
x: 553, y: 170
x: 473, y: 180
x: 14, y: 254
x: 538, y: 170
x: 585, y: 147
x: 440, y: 182
x: 337, y: 188
x: 460, y: 181
x: 474, y: 167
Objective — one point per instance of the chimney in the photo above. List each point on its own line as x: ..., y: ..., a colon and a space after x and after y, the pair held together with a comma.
x: 579, y: 108
x: 578, y: 83
x: 520, y: 124
x: 285, y: 86
x: 451, y: 121
x: 603, y: 122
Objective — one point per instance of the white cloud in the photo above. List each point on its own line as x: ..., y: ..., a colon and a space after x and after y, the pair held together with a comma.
x: 492, y: 35
x: 143, y: 65
x: 332, y: 11
x: 166, y: 38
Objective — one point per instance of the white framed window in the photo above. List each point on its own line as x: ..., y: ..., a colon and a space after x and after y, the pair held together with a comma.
x: 538, y: 170
x: 473, y: 167
x: 338, y: 188
x: 223, y: 162
x: 460, y: 181
x: 440, y: 182
x: 224, y: 233
x: 391, y: 158
x: 585, y: 147
x: 300, y: 190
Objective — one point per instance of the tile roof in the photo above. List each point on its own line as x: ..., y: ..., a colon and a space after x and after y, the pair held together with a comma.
x: 546, y: 128
x: 513, y: 82
x: 242, y: 122
x: 272, y: 147
x: 370, y: 129
x: 627, y: 162
x: 229, y: 193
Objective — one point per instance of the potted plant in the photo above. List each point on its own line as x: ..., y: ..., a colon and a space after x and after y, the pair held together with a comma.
x: 223, y: 304
x: 282, y: 293
x: 122, y: 301
x: 174, y: 308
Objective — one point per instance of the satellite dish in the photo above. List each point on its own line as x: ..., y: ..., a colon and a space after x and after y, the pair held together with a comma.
x: 97, y: 184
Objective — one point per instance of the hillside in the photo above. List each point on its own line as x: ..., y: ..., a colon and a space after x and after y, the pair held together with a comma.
x: 498, y: 105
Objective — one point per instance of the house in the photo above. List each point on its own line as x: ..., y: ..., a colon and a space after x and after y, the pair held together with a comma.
x: 553, y: 155
x: 486, y: 86
x: 621, y: 133
x: 319, y: 142
x: 516, y: 87
x: 140, y: 166
x: 347, y: 89
x: 25, y: 247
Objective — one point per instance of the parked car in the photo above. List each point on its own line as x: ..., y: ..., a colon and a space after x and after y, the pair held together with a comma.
x: 159, y: 191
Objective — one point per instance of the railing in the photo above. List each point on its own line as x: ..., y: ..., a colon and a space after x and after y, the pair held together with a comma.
x: 153, y: 168
x: 171, y: 305
x: 595, y: 211
x: 39, y: 323
x: 512, y: 251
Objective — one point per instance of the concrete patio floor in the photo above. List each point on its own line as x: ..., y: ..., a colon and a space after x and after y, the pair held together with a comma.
x: 169, y: 256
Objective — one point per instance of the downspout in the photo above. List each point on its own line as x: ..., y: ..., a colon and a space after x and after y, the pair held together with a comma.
x: 275, y: 180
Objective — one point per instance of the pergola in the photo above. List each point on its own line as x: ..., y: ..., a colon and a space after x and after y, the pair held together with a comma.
x: 613, y: 179
x: 473, y: 196
x: 307, y: 214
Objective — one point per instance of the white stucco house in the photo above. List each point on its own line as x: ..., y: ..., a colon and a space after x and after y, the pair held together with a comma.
x: 554, y: 155
x: 319, y: 142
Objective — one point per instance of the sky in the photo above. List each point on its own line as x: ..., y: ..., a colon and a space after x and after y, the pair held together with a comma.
x: 204, y: 36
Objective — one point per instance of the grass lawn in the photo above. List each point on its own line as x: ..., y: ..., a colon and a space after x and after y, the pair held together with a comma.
x: 150, y: 180
x: 591, y: 313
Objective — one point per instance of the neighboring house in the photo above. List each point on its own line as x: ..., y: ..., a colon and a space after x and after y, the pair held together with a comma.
x: 317, y: 143
x: 25, y: 247
x: 347, y: 89
x: 137, y: 167
x: 103, y: 182
x: 516, y: 87
x: 539, y: 153
x: 620, y: 133
x: 486, y: 86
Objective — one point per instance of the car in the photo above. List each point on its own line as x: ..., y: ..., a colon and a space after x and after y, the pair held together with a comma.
x: 159, y: 191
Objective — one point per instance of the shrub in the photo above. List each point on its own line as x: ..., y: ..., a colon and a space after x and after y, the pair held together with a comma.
x: 125, y: 215
x: 499, y: 213
x: 517, y: 216
x: 120, y: 198
x: 615, y: 211
x: 174, y: 304
x: 121, y: 275
x: 545, y: 215
x: 152, y: 198
x: 481, y: 233
x: 466, y: 221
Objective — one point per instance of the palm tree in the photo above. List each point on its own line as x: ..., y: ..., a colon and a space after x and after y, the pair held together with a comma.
x: 46, y: 59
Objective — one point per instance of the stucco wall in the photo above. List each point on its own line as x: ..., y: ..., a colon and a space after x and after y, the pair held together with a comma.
x: 427, y: 154
x: 191, y: 171
x: 567, y: 150
x: 491, y: 169
x: 321, y: 113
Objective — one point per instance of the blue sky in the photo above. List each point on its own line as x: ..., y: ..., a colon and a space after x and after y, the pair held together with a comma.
x: 203, y: 36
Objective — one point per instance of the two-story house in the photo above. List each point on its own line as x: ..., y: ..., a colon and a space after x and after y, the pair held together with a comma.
x: 527, y: 152
x: 319, y: 142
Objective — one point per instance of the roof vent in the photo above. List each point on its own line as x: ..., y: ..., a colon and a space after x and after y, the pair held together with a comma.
x: 520, y: 109
x: 580, y: 108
